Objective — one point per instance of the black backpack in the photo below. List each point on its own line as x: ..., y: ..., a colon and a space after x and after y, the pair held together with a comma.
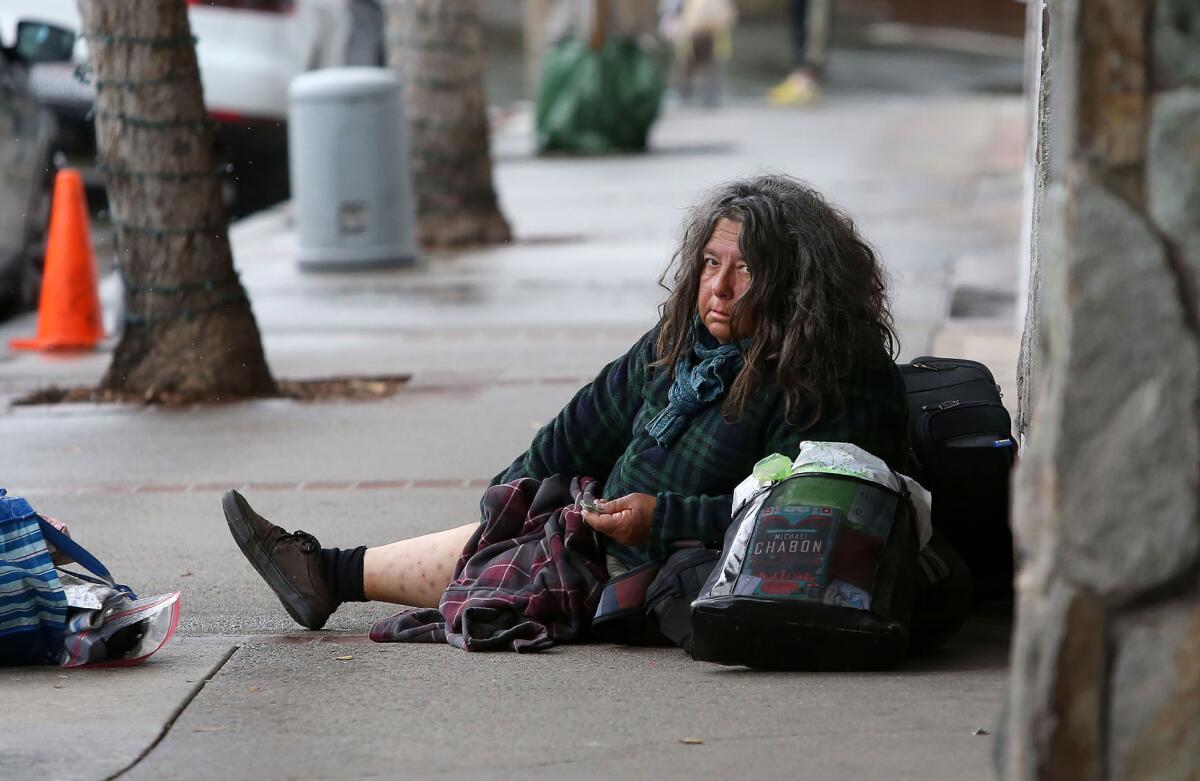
x: 962, y: 450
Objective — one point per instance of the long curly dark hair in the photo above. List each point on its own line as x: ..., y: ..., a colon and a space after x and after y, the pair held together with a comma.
x: 817, y: 300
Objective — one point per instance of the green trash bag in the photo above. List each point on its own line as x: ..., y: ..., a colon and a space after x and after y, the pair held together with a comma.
x: 593, y: 102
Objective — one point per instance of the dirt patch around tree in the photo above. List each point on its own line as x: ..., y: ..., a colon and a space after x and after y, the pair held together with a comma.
x: 321, y: 389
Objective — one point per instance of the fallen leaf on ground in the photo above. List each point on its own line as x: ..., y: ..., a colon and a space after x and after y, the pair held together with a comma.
x: 252, y: 689
x: 982, y: 731
x: 344, y: 658
x: 691, y: 741
x: 207, y: 729
x: 187, y: 574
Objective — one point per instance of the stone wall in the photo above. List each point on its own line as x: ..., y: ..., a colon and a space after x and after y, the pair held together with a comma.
x: 1106, y: 654
x: 1037, y: 169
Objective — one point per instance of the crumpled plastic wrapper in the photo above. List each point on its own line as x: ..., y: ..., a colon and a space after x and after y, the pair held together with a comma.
x: 840, y: 458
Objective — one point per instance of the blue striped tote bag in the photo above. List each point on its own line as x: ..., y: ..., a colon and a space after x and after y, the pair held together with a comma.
x: 33, y: 607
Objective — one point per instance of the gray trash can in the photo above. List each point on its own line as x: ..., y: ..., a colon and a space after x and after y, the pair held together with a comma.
x: 351, y: 179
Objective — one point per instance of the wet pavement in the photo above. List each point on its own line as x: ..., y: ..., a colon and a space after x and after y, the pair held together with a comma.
x: 496, y: 340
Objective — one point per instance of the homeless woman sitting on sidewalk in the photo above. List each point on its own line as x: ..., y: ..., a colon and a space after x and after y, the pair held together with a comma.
x: 776, y: 330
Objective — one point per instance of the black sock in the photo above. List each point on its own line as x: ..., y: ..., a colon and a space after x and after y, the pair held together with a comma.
x: 343, y: 571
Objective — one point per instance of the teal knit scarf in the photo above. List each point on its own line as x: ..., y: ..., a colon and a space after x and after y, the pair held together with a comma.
x: 702, y: 376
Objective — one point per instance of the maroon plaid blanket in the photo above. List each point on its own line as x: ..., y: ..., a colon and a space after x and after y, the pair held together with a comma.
x: 529, y: 577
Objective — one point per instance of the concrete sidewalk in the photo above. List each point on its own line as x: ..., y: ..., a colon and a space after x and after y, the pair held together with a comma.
x: 496, y: 340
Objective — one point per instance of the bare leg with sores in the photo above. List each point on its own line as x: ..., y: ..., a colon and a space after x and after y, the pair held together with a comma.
x: 414, y: 571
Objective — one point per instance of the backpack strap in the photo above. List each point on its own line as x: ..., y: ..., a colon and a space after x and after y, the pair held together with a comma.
x: 81, y: 556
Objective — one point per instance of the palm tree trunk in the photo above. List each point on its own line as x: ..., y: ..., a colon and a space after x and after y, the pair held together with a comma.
x: 189, y: 332
x: 437, y: 47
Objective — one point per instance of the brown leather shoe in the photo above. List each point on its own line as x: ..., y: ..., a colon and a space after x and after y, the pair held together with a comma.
x: 289, y: 562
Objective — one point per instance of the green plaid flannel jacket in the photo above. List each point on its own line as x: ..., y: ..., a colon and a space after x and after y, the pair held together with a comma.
x: 601, y: 433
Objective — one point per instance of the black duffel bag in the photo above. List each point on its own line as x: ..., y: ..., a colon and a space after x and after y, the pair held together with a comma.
x: 962, y: 450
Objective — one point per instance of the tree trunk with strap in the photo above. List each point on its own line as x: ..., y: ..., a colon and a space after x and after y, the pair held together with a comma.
x: 189, y: 332
x: 437, y: 48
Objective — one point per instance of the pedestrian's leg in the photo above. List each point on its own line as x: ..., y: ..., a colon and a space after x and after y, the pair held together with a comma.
x: 800, y: 87
x: 799, y: 15
x: 819, y: 32
x: 414, y: 571
x: 364, y: 44
x: 704, y: 56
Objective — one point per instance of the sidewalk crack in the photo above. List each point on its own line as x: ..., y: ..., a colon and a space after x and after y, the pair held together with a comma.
x: 199, y: 687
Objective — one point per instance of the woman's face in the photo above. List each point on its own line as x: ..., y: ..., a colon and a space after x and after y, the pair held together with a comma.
x: 724, y: 278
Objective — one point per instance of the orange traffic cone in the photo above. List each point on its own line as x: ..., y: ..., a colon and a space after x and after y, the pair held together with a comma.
x: 69, y: 308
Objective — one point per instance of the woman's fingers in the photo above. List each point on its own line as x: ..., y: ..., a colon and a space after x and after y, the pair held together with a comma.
x: 600, y: 521
x: 625, y: 519
x: 610, y: 506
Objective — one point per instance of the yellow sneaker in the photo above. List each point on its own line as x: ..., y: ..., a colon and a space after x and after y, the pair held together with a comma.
x: 795, y: 90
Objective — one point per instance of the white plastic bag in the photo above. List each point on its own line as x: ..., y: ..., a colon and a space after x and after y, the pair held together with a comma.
x: 121, y: 632
x: 838, y: 458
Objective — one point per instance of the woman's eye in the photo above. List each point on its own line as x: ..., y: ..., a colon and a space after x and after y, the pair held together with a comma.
x: 711, y: 262
x: 743, y: 269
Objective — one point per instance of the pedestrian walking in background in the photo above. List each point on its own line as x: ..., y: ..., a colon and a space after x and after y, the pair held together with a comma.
x: 812, y: 25
x: 602, y: 80
x: 364, y: 45
x: 701, y: 34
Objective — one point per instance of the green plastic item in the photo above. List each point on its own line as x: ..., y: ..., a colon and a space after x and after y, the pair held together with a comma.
x: 773, y: 468
x: 595, y: 102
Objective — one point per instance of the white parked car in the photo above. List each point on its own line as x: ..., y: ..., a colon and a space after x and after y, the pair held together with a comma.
x: 248, y: 52
x: 26, y: 135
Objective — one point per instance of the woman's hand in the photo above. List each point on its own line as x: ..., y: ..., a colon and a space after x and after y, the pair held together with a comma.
x: 626, y: 520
